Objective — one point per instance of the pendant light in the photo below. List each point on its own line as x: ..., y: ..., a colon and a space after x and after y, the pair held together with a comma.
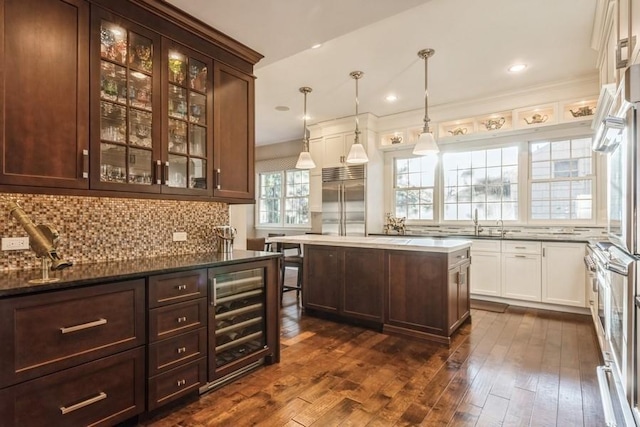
x: 426, y: 144
x: 357, y: 153
x: 304, y: 160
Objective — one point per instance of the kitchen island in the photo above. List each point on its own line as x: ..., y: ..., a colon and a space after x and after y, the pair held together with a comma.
x: 412, y: 287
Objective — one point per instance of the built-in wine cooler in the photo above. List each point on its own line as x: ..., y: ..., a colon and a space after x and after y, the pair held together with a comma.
x: 237, y: 320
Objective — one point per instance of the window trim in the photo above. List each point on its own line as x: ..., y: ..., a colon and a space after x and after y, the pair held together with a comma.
x: 281, y: 225
x: 524, y: 188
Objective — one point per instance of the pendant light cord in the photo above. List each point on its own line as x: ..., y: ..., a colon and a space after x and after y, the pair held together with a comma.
x: 357, y: 75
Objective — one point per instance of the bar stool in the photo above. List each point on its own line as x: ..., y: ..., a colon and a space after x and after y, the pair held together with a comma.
x: 256, y: 243
x: 290, y: 260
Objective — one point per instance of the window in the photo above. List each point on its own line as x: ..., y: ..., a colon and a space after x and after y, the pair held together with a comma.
x: 284, y: 198
x: 414, y: 186
x: 482, y: 180
x: 562, y: 180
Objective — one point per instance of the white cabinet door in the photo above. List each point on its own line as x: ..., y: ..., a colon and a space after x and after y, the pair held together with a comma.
x: 521, y: 276
x: 563, y: 273
x: 334, y: 152
x: 485, y: 273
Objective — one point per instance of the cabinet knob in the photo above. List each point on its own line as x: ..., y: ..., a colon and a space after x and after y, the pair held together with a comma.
x: 181, y: 287
x: 182, y: 350
x: 182, y: 319
x: 180, y: 383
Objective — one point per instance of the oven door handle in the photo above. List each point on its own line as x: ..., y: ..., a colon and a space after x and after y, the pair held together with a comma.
x: 637, y: 301
x: 614, y: 268
x: 607, y: 404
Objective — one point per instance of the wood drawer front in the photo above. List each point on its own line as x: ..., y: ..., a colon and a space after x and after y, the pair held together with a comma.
x: 176, y: 319
x: 47, y: 332
x: 176, y: 383
x: 177, y: 287
x: 486, y: 245
x: 168, y: 354
x: 458, y: 257
x: 521, y: 247
x: 101, y: 393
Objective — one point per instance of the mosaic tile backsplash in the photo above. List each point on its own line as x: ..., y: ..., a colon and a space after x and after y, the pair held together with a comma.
x: 94, y: 229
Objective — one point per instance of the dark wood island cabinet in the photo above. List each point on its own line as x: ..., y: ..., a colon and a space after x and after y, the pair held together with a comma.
x: 412, y: 287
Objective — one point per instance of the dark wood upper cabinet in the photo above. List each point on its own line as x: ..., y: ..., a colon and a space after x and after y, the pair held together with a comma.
x: 233, y: 140
x: 125, y: 105
x: 44, y: 81
x: 123, y: 98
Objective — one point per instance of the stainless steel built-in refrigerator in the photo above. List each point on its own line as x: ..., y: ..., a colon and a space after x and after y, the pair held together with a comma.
x: 619, y: 137
x: 343, y: 200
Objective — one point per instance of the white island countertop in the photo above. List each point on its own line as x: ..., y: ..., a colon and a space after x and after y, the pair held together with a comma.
x: 377, y: 242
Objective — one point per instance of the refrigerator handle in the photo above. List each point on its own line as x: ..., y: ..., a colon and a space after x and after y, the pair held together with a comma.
x: 343, y: 220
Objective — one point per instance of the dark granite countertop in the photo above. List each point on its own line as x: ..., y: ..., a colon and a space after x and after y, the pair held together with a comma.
x: 16, y: 282
x: 566, y: 238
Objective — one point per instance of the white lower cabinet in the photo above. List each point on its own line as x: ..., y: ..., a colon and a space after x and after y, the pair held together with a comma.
x: 549, y: 272
x: 486, y: 272
x: 521, y: 276
x: 563, y: 273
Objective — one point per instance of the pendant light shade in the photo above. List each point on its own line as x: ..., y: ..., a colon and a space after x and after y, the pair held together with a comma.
x: 357, y: 153
x: 304, y: 160
x: 426, y: 144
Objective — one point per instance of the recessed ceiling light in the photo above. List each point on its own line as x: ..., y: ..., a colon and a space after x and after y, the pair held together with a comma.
x: 317, y: 45
x: 391, y: 98
x: 282, y: 108
x: 516, y: 68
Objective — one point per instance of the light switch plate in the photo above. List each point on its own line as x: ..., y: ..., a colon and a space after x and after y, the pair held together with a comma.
x: 180, y: 236
x: 15, y: 243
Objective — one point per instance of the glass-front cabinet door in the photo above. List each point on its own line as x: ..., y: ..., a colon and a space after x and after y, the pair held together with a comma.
x: 128, y: 104
x: 187, y: 118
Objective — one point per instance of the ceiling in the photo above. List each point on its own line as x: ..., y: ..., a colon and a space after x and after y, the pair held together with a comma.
x: 475, y: 42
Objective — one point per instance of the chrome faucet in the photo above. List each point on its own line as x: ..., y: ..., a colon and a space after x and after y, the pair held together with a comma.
x: 477, y: 228
x: 501, y: 224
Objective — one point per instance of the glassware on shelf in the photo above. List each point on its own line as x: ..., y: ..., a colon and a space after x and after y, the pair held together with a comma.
x: 177, y: 102
x: 177, y: 136
x: 113, y: 81
x: 112, y: 163
x: 197, y: 108
x: 198, y: 173
x: 197, y: 140
x: 139, y: 166
x: 112, y: 122
x: 140, y: 128
x: 113, y: 42
x: 141, y: 53
x: 177, y: 68
x: 140, y: 91
x: 198, y: 75
x: 177, y: 171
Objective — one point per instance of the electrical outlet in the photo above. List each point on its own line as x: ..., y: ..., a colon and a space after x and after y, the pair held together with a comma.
x: 15, y: 243
x: 180, y: 236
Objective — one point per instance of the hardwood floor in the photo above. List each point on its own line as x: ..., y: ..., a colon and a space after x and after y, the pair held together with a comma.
x: 518, y: 368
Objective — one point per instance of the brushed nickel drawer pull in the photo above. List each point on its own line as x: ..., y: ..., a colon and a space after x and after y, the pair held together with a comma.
x: 180, y: 383
x: 521, y: 247
x: 181, y: 287
x: 87, y: 325
x: 521, y: 256
x: 182, y: 350
x: 67, y: 409
x: 181, y: 319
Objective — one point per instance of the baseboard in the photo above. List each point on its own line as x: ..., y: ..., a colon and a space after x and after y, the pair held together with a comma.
x: 534, y: 304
